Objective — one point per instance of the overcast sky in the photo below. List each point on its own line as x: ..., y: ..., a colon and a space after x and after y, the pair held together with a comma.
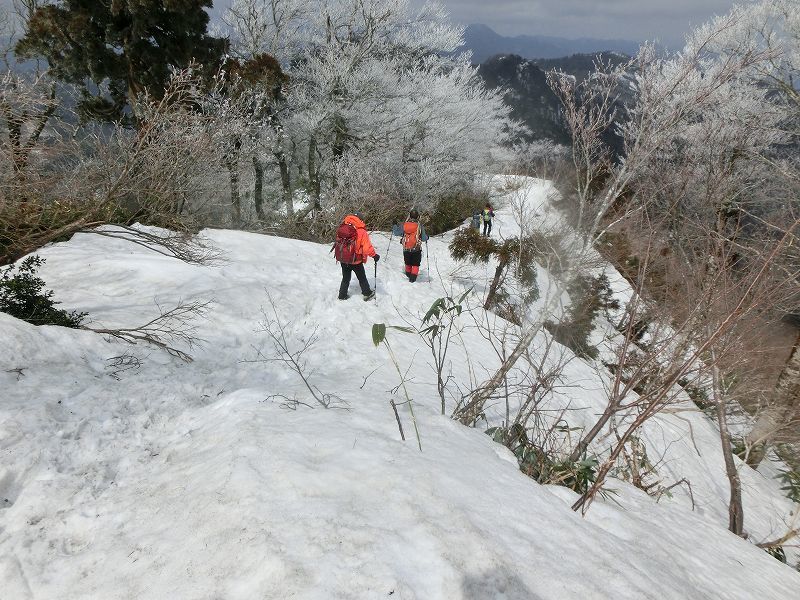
x: 638, y: 20
x: 666, y: 20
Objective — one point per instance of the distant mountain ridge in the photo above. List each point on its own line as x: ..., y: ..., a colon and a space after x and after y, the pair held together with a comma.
x: 532, y: 102
x: 484, y: 43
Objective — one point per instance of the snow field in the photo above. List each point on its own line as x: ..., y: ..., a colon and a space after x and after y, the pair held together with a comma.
x: 194, y: 481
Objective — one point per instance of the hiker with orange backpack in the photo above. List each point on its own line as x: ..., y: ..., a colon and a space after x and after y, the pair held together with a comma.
x: 412, y: 234
x: 351, y: 249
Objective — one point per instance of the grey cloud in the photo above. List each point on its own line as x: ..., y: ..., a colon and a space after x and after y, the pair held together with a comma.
x: 667, y: 20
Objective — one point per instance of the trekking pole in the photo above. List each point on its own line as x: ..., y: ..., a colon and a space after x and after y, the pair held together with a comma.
x: 428, y: 258
x: 390, y: 242
x: 376, y: 278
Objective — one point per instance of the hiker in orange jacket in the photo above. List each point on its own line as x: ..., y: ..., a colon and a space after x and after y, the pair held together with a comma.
x: 353, y: 248
x: 413, y: 234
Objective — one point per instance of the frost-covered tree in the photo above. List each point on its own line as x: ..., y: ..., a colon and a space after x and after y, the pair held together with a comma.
x: 702, y: 133
x: 743, y: 186
x: 27, y: 102
x: 772, y: 28
x: 28, y: 97
x: 372, y: 93
x: 274, y: 27
x: 241, y: 109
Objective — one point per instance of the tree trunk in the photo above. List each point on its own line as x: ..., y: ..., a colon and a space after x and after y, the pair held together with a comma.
x: 784, y: 409
x: 616, y: 395
x: 258, y: 188
x: 583, y: 445
x: 313, y: 172
x: 232, y: 163
x: 735, y: 509
x: 498, y: 277
x: 18, y: 123
x: 14, y: 126
x: 286, y: 183
x: 236, y: 203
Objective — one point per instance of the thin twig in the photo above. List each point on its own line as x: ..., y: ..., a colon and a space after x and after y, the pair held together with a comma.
x: 397, y: 416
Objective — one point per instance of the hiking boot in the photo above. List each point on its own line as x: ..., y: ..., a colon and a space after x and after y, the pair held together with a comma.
x: 369, y: 296
x: 344, y: 297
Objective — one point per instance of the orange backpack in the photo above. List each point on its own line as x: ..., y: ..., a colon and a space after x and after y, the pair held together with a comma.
x: 411, y: 236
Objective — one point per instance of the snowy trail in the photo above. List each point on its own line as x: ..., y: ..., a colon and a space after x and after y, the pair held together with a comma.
x: 190, y: 481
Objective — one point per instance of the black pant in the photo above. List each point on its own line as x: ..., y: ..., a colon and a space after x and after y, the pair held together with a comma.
x: 487, y: 228
x: 413, y: 259
x: 361, y: 274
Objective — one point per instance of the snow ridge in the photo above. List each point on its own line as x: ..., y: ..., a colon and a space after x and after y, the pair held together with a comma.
x: 200, y: 480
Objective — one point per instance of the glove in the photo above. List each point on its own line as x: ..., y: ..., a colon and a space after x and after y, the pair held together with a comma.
x: 377, y: 257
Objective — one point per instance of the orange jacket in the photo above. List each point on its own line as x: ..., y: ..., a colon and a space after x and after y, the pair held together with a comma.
x: 364, y: 247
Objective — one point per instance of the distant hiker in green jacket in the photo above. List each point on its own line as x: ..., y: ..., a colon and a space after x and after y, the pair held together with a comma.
x: 413, y: 234
x: 486, y: 217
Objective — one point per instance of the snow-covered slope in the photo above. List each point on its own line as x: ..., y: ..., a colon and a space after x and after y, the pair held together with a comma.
x: 196, y: 480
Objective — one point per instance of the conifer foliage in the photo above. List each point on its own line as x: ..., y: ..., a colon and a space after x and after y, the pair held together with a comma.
x: 513, y: 255
x: 22, y: 295
x: 114, y: 51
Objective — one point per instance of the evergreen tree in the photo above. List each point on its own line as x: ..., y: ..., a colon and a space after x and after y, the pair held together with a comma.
x: 23, y: 295
x: 115, y: 50
x: 514, y: 255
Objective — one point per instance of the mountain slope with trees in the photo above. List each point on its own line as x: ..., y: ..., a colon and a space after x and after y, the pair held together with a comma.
x: 528, y: 92
x: 654, y: 380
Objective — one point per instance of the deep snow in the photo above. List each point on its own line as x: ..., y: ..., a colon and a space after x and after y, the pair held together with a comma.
x: 196, y: 481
